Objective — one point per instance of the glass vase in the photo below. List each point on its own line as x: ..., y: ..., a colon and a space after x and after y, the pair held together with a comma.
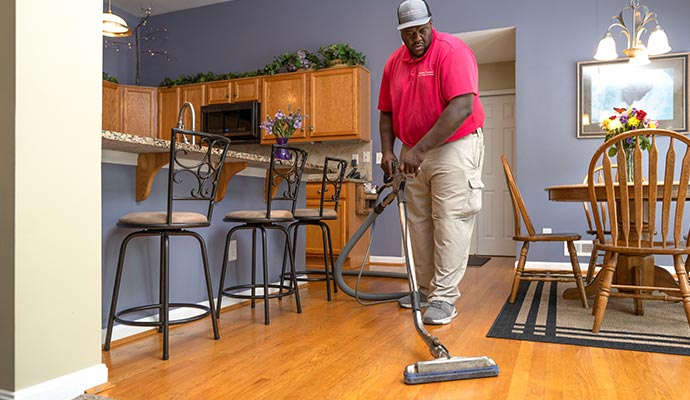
x: 629, y: 165
x: 279, y: 153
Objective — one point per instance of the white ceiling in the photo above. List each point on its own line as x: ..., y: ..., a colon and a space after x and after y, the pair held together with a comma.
x: 489, y: 46
x: 134, y: 7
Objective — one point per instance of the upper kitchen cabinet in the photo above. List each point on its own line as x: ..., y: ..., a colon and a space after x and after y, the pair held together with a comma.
x: 168, y: 108
x: 139, y: 110
x: 339, y: 104
x: 169, y: 102
x: 195, y: 94
x: 112, y: 114
x: 279, y: 92
x: 233, y: 91
x: 335, y: 99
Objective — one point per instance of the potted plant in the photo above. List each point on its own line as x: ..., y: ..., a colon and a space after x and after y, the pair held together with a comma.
x: 341, y: 54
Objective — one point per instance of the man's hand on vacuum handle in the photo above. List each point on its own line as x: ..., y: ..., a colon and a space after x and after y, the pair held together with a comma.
x: 410, y: 161
x: 389, y: 163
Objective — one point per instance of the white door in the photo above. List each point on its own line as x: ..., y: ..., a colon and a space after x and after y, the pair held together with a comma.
x: 493, y: 230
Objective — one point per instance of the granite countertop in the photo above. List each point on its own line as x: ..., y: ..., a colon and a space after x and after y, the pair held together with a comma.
x: 128, y: 143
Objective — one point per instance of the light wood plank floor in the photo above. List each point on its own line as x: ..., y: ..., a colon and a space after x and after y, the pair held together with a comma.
x: 343, y: 350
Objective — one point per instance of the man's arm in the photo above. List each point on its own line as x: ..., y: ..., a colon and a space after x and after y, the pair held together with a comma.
x: 455, y: 113
x: 387, y: 141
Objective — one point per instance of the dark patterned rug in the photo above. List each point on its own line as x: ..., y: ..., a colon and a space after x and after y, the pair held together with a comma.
x: 540, y: 314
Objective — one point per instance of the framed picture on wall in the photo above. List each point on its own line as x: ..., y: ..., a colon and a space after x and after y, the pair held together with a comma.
x: 660, y: 88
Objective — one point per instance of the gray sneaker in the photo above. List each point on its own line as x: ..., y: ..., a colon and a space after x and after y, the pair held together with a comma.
x: 406, y: 301
x: 439, y: 313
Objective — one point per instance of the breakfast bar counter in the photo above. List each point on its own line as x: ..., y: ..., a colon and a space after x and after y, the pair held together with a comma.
x: 153, y: 155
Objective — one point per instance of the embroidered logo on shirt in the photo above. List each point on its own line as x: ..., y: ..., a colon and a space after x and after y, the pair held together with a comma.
x: 425, y: 73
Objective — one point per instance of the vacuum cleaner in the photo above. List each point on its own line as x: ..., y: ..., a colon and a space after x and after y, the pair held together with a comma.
x: 443, y: 367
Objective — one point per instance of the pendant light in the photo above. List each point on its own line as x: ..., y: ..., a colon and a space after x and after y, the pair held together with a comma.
x: 636, y: 50
x: 113, y: 25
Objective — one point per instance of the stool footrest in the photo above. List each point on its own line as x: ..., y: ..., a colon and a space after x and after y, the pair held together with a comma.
x: 206, y: 312
x: 282, y: 291
x: 308, y: 278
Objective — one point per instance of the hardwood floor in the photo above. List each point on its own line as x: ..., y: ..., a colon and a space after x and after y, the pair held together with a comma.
x: 343, y: 350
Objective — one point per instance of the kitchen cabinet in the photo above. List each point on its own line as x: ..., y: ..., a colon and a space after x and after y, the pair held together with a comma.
x: 168, y: 109
x: 337, y: 101
x: 169, y: 102
x: 279, y: 92
x: 233, y: 91
x: 139, y: 109
x: 112, y: 107
x: 341, y: 229
x: 339, y: 104
x: 195, y: 94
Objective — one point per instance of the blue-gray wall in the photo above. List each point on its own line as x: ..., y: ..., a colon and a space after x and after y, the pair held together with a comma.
x: 552, y: 36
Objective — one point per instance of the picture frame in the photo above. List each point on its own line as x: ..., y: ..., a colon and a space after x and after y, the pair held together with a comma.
x: 660, y: 88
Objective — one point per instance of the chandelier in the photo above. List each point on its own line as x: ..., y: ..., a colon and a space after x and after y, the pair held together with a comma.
x: 114, y: 25
x: 636, y: 50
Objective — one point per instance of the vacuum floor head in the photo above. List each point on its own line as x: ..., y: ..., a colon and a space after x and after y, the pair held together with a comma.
x: 450, y: 369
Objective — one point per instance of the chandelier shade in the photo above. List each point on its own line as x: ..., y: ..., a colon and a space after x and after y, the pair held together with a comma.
x: 657, y: 43
x: 114, y: 25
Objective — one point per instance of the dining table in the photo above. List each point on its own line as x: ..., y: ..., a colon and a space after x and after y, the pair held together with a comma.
x: 630, y: 270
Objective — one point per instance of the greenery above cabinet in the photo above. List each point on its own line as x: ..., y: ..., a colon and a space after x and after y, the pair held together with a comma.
x: 334, y: 54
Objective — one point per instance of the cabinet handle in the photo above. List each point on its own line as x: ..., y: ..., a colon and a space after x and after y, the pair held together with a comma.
x: 227, y: 96
x: 237, y: 95
x: 311, y: 128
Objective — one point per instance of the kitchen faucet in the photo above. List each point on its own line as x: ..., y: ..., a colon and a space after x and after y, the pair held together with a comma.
x: 180, y: 120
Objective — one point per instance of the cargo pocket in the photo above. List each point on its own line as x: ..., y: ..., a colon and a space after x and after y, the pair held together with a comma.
x: 474, y: 198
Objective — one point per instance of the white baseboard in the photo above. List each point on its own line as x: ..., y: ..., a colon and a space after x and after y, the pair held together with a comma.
x: 63, y: 388
x: 123, y: 331
x: 386, y: 260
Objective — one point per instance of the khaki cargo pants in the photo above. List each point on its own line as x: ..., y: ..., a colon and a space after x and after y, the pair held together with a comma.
x: 442, y: 200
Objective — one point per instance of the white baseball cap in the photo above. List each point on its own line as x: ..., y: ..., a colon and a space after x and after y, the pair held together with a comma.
x: 413, y: 13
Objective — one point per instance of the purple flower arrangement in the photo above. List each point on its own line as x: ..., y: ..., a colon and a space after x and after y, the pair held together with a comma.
x: 284, y: 125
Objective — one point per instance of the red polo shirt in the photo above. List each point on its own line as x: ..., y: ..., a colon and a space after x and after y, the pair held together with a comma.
x: 417, y: 91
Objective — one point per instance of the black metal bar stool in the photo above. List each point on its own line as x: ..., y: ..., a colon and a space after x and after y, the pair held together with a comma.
x: 192, y: 179
x: 289, y: 171
x: 331, y: 184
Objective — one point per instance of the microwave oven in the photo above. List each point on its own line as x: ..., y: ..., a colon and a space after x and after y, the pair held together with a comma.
x: 239, y: 122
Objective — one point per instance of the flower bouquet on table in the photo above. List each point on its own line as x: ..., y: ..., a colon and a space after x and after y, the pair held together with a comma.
x: 283, y: 126
x: 625, y: 120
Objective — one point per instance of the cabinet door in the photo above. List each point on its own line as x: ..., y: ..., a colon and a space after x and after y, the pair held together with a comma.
x: 111, y: 117
x: 139, y: 110
x: 218, y: 92
x: 314, y: 245
x: 339, y: 104
x: 168, y: 107
x: 282, y: 90
x: 195, y: 94
x: 246, y: 89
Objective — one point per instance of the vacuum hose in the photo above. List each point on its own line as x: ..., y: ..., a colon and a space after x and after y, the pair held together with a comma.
x: 338, y: 268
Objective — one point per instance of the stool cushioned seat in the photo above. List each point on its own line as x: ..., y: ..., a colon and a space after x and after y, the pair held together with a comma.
x: 160, y: 218
x: 258, y: 216
x: 307, y: 213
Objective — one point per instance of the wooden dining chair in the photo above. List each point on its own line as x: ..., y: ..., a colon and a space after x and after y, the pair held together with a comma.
x: 594, y: 263
x: 659, y: 209
x: 541, y: 274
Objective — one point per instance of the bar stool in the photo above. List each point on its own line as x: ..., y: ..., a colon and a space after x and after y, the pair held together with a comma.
x: 331, y: 184
x: 193, y: 176
x: 288, y: 171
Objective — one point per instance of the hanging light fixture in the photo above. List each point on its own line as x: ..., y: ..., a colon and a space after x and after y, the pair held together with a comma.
x: 113, y: 25
x: 636, y: 50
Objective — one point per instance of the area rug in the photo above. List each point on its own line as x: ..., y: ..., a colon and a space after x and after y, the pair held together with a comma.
x: 540, y: 314
x: 477, y: 261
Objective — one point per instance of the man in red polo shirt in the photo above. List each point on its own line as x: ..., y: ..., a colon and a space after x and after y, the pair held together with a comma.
x: 429, y: 99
